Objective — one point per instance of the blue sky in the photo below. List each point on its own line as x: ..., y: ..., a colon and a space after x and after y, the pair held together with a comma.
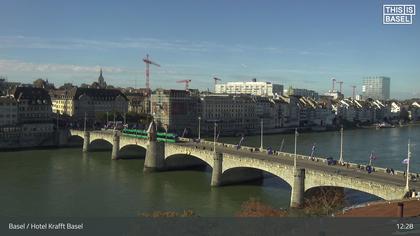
x: 297, y: 43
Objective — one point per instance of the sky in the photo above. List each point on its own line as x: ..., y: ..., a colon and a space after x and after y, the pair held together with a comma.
x: 295, y: 43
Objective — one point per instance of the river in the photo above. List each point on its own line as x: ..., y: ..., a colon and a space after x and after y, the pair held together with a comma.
x: 66, y: 182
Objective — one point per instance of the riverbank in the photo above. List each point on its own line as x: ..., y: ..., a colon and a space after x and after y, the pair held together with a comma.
x: 411, y: 208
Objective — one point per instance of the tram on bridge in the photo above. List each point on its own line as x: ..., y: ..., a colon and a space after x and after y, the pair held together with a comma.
x: 142, y: 134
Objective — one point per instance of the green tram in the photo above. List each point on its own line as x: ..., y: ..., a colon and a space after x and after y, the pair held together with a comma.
x: 161, y: 137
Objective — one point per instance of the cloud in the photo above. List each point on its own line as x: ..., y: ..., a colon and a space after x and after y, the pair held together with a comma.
x: 125, y: 43
x: 21, y: 66
x: 31, y: 42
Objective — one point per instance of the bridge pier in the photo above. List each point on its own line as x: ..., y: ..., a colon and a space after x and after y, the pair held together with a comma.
x: 298, y: 188
x: 155, y: 157
x: 86, y: 141
x: 115, y: 146
x: 216, y: 175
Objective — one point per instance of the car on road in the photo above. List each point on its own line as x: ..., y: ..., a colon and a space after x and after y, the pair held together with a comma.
x: 331, y: 161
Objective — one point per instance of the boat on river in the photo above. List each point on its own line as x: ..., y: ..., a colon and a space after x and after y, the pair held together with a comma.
x: 384, y: 125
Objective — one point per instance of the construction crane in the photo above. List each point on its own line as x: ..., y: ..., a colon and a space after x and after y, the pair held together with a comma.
x: 148, y: 63
x: 187, y: 82
x: 341, y: 84
x: 333, y: 83
x: 354, y: 92
x: 216, y: 79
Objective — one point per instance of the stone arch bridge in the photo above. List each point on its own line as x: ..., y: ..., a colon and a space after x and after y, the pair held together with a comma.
x: 230, y: 165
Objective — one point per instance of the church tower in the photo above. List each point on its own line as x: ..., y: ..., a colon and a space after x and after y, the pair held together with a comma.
x: 101, y: 80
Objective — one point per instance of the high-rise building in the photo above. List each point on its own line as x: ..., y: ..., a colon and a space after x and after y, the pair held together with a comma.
x: 254, y: 88
x: 376, y: 87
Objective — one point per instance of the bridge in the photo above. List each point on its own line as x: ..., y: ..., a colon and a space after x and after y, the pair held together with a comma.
x: 232, y: 165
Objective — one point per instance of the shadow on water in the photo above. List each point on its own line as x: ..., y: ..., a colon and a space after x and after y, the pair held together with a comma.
x: 132, y: 152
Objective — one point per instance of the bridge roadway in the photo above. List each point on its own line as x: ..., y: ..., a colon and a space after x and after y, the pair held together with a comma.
x: 230, y: 165
x: 377, y: 176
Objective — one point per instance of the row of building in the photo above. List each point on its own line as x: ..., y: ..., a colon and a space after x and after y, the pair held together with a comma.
x: 237, y: 107
x: 177, y: 110
x: 374, y: 87
x: 25, y: 119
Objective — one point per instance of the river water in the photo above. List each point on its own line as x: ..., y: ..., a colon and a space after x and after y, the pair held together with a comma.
x: 66, y: 182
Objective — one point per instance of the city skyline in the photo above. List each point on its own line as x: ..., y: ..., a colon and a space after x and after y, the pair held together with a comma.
x: 295, y: 44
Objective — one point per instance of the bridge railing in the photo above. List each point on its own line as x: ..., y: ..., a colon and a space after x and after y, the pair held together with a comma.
x: 291, y: 155
x: 304, y: 157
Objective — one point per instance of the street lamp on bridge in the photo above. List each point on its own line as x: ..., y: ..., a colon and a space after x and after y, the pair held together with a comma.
x: 199, y: 128
x: 84, y: 127
x: 295, y: 158
x: 262, y: 133
x: 341, y: 145
x: 115, y: 126
x: 407, y: 187
x: 214, y: 138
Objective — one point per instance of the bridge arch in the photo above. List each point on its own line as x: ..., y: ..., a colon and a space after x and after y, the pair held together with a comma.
x: 284, y: 172
x: 185, y: 160
x: 75, y: 139
x: 100, y: 144
x: 132, y: 151
x: 344, y: 191
x: 245, y: 174
x: 385, y: 191
x: 371, y: 191
x: 190, y: 156
x: 129, y: 141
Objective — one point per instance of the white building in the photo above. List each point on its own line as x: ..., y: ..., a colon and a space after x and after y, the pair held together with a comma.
x: 334, y: 94
x: 253, y: 88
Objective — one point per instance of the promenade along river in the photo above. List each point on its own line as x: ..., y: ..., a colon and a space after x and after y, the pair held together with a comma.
x: 65, y: 182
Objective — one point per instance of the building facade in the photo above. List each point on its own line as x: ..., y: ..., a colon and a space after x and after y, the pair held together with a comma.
x: 233, y: 113
x: 175, y: 110
x: 302, y: 93
x: 253, y: 88
x: 8, y: 111
x: 76, y: 102
x: 29, y: 120
x: 138, y: 102
x: 376, y: 87
x: 34, y: 105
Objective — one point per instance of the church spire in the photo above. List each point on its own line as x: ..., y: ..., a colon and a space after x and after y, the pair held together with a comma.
x: 101, y: 80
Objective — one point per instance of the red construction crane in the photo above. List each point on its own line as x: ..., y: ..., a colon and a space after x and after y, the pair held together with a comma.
x: 216, y: 79
x: 341, y: 84
x: 186, y: 81
x: 354, y: 92
x: 148, y: 63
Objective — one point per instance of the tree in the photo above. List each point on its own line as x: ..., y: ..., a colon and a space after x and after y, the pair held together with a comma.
x: 323, y: 200
x: 39, y: 83
x: 255, y: 208
x: 404, y: 115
